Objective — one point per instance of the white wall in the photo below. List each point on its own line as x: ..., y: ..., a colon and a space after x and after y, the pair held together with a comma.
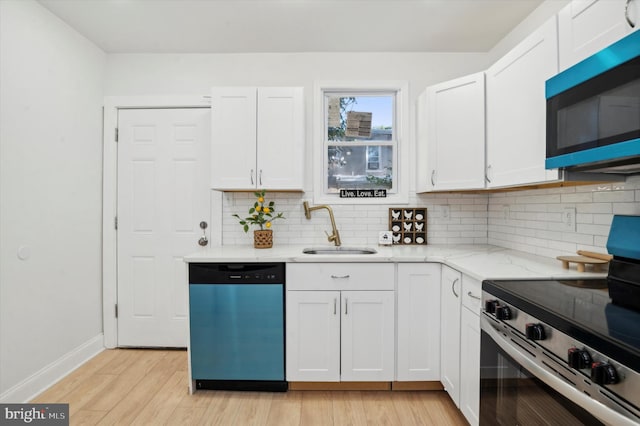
x: 50, y: 195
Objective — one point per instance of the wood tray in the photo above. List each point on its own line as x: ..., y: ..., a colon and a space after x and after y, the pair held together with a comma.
x: 582, y: 261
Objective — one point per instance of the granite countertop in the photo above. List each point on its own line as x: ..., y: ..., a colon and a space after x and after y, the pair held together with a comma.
x: 478, y: 261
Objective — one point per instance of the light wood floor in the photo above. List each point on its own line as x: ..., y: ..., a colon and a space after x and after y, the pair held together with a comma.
x: 136, y: 386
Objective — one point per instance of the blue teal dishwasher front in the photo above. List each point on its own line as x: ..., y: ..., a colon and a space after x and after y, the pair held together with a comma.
x: 237, y: 326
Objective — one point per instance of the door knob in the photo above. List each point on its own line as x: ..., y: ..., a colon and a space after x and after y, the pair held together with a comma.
x: 203, y: 241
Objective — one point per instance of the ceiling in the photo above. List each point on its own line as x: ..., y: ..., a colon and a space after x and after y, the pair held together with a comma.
x: 224, y: 26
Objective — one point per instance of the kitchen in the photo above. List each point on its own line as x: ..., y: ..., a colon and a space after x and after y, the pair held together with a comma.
x: 52, y: 198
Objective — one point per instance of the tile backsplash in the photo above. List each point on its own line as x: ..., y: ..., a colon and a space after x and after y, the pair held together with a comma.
x: 451, y: 219
x: 532, y: 220
x: 526, y: 220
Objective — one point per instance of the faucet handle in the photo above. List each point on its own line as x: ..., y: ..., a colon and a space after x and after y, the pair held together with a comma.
x: 331, y: 237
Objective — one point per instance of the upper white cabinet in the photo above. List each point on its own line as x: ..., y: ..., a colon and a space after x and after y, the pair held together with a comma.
x: 257, y: 138
x: 516, y: 110
x: 418, y: 326
x: 587, y: 26
x: 451, y: 135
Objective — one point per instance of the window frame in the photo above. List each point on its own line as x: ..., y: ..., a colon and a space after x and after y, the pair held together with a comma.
x: 400, y: 142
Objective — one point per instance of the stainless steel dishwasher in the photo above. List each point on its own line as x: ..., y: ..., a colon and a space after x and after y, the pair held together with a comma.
x: 237, y: 326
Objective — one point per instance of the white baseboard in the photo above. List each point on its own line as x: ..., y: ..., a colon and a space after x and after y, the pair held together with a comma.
x: 38, y: 382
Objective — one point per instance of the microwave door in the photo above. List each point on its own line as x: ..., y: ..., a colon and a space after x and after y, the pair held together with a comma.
x: 618, y: 115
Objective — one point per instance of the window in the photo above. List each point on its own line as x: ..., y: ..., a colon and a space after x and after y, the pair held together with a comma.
x: 360, y: 140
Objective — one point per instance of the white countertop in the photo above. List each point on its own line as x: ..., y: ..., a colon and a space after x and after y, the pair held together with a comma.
x: 478, y: 261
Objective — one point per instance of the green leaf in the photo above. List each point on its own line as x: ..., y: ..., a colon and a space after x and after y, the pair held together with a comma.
x: 246, y: 228
x: 252, y: 210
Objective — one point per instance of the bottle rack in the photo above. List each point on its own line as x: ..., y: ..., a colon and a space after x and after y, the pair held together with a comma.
x: 408, y: 225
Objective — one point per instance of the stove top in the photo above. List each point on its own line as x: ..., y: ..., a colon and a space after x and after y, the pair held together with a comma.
x: 581, y: 309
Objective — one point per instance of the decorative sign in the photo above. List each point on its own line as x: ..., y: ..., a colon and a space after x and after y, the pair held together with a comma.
x: 363, y: 193
x: 358, y: 124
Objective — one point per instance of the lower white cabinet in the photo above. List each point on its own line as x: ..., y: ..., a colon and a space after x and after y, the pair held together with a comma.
x: 450, y: 332
x: 336, y: 329
x: 470, y: 349
x: 418, y: 323
x: 460, y: 353
x: 470, y: 365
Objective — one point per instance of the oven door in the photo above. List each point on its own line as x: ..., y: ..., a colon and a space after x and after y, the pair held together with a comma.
x: 516, y: 390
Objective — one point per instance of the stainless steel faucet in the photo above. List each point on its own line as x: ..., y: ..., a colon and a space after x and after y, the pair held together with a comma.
x: 335, y: 236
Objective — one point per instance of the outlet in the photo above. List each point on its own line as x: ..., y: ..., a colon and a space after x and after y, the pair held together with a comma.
x: 569, y: 219
x: 446, y: 212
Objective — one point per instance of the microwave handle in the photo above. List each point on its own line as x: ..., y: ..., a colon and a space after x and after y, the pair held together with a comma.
x: 599, y: 410
x: 626, y: 14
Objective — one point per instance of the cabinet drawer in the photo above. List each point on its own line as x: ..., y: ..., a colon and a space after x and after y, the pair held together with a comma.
x: 340, y: 276
x: 471, y: 294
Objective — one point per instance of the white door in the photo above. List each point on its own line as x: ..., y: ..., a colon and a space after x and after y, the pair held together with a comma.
x: 455, y: 116
x: 450, y: 332
x: 280, y: 138
x: 313, y: 336
x: 367, y: 339
x: 516, y: 110
x: 418, y: 327
x: 233, y: 157
x: 163, y: 195
x: 470, y: 366
x: 587, y: 26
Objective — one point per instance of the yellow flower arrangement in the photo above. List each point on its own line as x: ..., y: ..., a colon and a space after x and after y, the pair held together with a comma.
x: 260, y: 214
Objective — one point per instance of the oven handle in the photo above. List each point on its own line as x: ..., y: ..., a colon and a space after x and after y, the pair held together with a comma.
x: 599, y: 410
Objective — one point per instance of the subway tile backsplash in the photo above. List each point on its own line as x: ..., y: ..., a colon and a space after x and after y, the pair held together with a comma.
x: 531, y: 220
x: 526, y: 220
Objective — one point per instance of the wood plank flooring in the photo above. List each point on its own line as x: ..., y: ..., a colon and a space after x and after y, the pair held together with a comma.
x: 150, y: 387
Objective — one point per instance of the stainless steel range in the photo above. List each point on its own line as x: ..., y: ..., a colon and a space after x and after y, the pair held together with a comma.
x: 565, y: 351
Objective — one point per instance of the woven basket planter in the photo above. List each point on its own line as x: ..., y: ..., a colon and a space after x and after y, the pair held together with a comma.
x: 263, y: 238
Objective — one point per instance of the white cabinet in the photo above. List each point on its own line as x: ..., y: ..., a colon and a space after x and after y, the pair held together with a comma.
x: 337, y: 328
x: 451, y: 135
x: 587, y: 26
x: 470, y: 350
x: 418, y: 326
x: 313, y: 336
x: 450, y: 332
x: 460, y: 354
x: 257, y: 138
x: 516, y: 110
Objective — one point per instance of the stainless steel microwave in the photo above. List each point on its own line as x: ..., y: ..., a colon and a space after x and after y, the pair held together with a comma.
x: 593, y: 112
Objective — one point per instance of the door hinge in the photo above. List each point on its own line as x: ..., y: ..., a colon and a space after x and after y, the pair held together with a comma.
x: 116, y: 310
x: 115, y: 222
x: 116, y: 134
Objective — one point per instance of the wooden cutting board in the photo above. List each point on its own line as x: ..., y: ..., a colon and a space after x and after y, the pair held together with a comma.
x: 581, y: 261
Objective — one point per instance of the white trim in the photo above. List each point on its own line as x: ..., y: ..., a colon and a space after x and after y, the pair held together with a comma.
x: 110, y: 195
x: 403, y: 136
x: 41, y: 380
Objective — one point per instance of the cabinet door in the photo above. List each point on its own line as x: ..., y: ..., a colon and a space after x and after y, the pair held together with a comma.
x: 588, y: 26
x: 456, y: 133
x: 470, y: 366
x: 418, y: 324
x: 280, y: 138
x: 450, y: 332
x: 233, y: 138
x: 313, y: 336
x: 368, y: 342
x: 516, y: 110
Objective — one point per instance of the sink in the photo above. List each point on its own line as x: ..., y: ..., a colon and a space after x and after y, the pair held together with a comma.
x: 339, y: 250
